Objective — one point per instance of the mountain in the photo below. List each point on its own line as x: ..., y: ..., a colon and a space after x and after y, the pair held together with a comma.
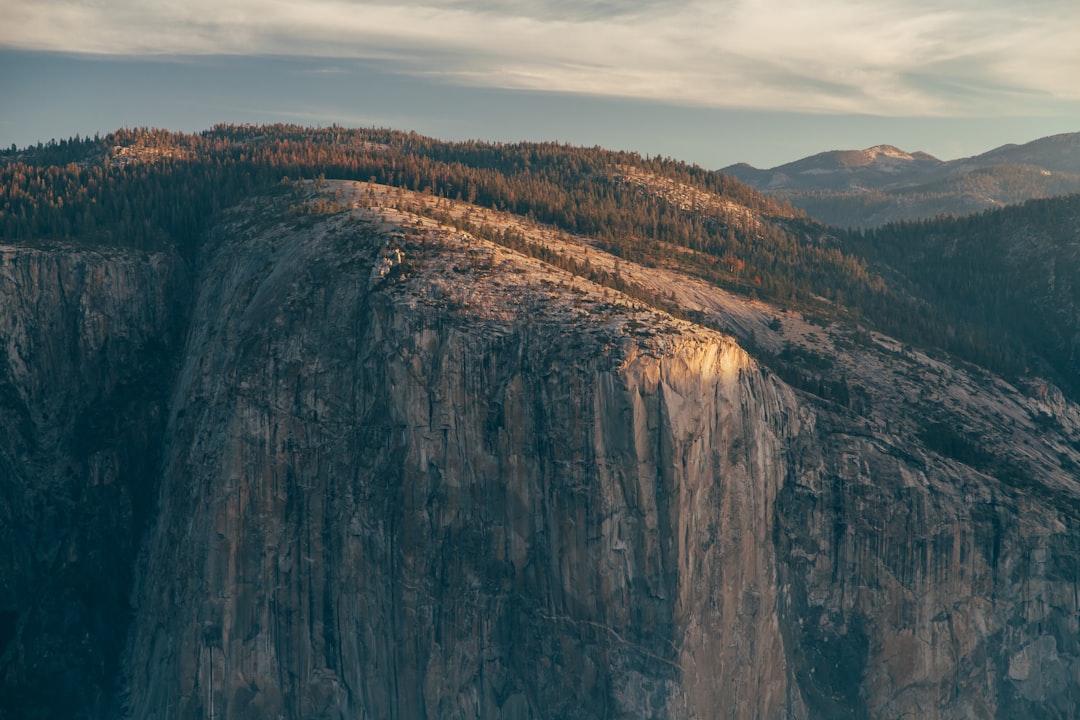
x: 869, y: 188
x: 1057, y: 153
x: 371, y: 425
x: 876, y: 167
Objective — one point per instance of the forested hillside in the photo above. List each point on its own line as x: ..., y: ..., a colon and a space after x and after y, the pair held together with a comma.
x: 152, y: 189
x: 1014, y: 273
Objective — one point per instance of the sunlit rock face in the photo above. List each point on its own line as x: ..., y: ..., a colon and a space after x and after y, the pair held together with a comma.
x: 397, y: 472
x: 380, y: 502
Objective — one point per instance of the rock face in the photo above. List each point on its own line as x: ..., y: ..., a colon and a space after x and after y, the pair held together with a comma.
x: 404, y: 473
x: 86, y: 341
x: 917, y: 589
x: 388, y: 505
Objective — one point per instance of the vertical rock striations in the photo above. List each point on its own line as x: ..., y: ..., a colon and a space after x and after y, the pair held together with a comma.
x: 920, y: 588
x: 396, y: 501
x: 86, y: 347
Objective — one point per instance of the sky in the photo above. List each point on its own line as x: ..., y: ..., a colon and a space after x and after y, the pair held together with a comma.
x: 714, y: 83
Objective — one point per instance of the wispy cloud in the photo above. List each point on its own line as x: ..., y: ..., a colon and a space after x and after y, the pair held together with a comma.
x: 893, y: 57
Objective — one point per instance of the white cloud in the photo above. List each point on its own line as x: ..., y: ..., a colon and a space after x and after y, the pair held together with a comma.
x: 893, y: 57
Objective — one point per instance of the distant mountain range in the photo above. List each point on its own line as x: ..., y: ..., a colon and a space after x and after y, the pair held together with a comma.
x: 871, y: 187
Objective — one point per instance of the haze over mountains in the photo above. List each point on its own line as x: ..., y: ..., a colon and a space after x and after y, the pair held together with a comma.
x: 335, y: 424
x: 881, y: 184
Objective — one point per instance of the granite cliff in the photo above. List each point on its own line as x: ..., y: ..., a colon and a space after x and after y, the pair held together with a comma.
x: 364, y: 464
x: 87, y: 339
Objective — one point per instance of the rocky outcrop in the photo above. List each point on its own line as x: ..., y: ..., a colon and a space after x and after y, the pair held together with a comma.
x: 400, y: 472
x: 86, y: 347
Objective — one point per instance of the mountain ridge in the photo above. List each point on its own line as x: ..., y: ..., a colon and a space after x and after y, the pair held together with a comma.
x: 855, y: 188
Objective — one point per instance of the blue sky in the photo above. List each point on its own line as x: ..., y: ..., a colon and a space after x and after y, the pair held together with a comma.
x: 762, y: 81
